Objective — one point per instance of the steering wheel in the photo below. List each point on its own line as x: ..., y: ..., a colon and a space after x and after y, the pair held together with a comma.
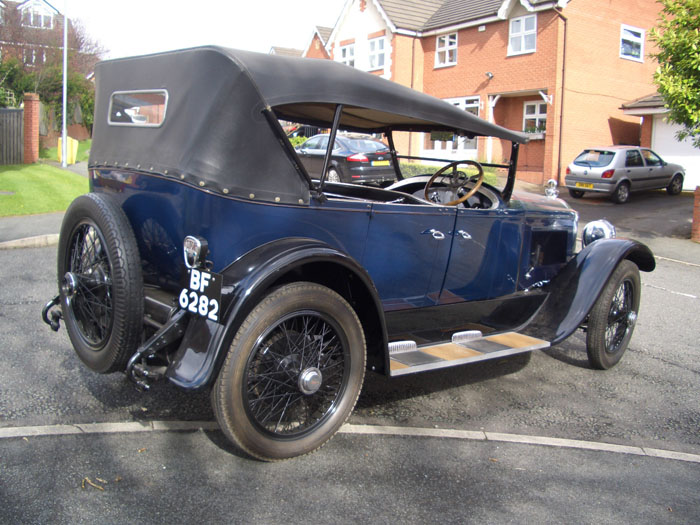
x: 455, y: 182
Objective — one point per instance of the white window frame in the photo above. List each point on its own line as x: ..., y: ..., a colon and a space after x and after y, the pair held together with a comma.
x: 537, y: 116
x: 445, y: 47
x: 631, y: 38
x: 377, y: 56
x: 37, y: 17
x: 347, y: 55
x: 522, y: 35
x: 463, y: 146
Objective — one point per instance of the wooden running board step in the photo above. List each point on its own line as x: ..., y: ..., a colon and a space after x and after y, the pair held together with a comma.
x: 406, y: 357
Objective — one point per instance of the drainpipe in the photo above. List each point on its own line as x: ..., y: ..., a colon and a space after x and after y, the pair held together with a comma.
x: 563, y: 90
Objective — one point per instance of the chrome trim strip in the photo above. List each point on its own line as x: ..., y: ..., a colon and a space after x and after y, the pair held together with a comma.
x: 399, y: 347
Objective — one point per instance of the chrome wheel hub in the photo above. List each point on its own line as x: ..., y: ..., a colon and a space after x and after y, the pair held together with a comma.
x: 310, y: 380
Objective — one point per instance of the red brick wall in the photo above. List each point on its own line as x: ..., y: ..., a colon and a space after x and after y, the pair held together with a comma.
x: 316, y: 49
x: 647, y: 125
x: 598, y: 81
x: 31, y: 128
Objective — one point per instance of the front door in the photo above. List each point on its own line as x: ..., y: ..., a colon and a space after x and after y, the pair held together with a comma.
x: 407, y: 251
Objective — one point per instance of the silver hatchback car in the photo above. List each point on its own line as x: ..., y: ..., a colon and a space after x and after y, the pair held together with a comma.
x: 618, y: 170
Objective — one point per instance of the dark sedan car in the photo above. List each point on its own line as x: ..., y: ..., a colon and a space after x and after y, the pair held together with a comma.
x: 206, y: 254
x: 355, y: 158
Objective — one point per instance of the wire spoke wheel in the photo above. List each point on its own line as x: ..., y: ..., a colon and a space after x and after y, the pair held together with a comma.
x: 90, y: 301
x: 100, y: 282
x: 293, y: 373
x: 613, y: 317
x: 296, y: 374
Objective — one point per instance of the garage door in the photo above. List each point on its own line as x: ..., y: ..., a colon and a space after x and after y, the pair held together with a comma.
x: 663, y: 142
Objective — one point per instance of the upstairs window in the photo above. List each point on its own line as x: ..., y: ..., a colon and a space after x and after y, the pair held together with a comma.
x: 523, y: 35
x: 632, y: 43
x: 347, y: 55
x: 535, y: 117
x: 446, y: 50
x: 34, y: 17
x: 376, y: 53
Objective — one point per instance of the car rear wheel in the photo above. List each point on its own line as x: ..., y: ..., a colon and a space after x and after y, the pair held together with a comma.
x: 676, y: 185
x: 576, y: 194
x: 333, y: 175
x: 292, y: 374
x: 622, y: 193
x: 100, y: 282
x: 612, y: 319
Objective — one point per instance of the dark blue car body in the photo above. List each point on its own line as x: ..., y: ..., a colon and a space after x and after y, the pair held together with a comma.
x: 187, y: 145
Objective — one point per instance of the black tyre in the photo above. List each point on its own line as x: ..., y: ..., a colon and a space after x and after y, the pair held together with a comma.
x: 292, y: 374
x: 676, y: 185
x: 99, y: 275
x: 612, y: 319
x: 621, y: 194
x: 576, y: 194
x: 333, y: 175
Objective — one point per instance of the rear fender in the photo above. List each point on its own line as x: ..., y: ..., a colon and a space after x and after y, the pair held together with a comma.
x: 575, y: 289
x: 246, y: 282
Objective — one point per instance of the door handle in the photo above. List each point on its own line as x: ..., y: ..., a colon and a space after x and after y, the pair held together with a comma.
x: 437, y: 234
x: 464, y: 235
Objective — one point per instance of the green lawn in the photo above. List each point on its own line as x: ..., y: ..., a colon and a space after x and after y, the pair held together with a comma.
x: 38, y: 188
x: 83, y: 152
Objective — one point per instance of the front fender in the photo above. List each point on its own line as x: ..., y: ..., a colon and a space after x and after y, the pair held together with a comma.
x: 245, y: 282
x: 575, y: 289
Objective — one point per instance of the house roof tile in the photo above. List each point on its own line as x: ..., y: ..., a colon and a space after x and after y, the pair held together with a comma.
x: 410, y: 14
x: 286, y: 51
x: 324, y: 33
x: 457, y: 11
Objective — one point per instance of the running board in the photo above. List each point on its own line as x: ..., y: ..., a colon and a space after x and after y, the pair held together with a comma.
x: 405, y: 357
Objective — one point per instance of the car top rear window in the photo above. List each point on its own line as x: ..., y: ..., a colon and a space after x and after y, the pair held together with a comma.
x: 366, y: 146
x: 144, y: 108
x: 594, y: 158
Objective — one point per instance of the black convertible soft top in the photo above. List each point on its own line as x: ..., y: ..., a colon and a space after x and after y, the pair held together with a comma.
x: 214, y: 133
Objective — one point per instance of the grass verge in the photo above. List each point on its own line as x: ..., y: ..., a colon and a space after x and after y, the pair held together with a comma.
x: 38, y: 188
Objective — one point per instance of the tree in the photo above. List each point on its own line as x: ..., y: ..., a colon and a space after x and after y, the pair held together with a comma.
x: 678, y: 75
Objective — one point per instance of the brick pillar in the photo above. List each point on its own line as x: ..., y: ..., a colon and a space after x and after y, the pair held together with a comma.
x: 695, y: 232
x: 31, y: 128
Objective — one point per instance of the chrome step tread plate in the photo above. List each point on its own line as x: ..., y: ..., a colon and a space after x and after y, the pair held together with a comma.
x: 452, y: 354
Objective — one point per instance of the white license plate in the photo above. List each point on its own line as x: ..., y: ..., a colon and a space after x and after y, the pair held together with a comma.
x: 201, y: 295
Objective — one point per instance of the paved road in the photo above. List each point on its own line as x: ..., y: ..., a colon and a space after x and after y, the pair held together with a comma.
x: 648, y: 402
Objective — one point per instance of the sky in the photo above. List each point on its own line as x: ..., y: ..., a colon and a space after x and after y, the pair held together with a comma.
x: 136, y: 27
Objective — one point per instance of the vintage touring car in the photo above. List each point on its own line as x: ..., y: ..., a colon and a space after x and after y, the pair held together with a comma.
x: 206, y: 254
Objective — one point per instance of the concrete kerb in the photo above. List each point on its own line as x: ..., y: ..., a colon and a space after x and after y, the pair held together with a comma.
x: 37, y: 241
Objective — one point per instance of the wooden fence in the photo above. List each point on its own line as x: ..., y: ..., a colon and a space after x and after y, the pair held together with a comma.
x: 11, y: 136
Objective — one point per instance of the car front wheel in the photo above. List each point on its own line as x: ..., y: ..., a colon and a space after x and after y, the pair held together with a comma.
x: 292, y: 374
x: 613, y: 317
x: 676, y: 185
x: 622, y: 193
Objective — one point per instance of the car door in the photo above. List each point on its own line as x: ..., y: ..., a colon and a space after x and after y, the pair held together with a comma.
x: 634, y: 169
x: 312, y: 153
x: 485, y: 256
x: 656, y: 175
x: 407, y: 250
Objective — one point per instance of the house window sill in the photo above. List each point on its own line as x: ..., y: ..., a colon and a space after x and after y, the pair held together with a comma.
x: 536, y: 136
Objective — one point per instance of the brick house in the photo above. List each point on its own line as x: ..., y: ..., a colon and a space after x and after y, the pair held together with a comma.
x: 558, y: 69
x: 30, y: 31
x: 319, y: 41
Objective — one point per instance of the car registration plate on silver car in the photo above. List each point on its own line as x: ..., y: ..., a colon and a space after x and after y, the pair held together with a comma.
x: 586, y: 185
x: 201, y: 295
